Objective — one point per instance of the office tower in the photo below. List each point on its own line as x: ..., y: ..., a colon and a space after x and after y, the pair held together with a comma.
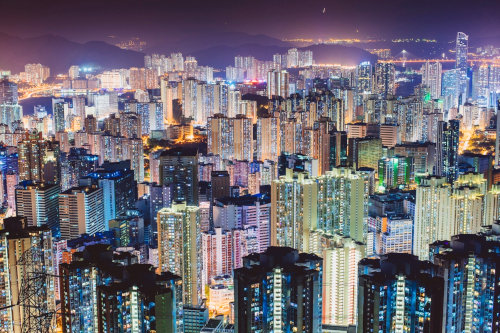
x: 431, y: 78
x: 294, y: 202
x: 340, y: 276
x: 179, y: 168
x: 268, y: 138
x: 119, y: 189
x: 28, y: 303
x: 365, y: 153
x: 217, y: 249
x: 10, y: 111
x: 38, y: 159
x: 265, y: 283
x: 385, y: 78
x: 341, y: 203
x: 59, y: 116
x: 278, y: 84
x: 431, y: 214
x: 398, y: 292
x: 81, y: 210
x: 39, y: 204
x: 461, y: 65
x: 469, y: 267
x: 448, y: 138
x: 179, y: 248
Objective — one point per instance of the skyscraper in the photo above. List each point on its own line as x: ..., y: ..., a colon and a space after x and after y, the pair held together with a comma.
x: 266, y: 285
x: 81, y: 211
x: 179, y: 248
x: 341, y: 203
x: 39, y: 159
x: 398, y: 292
x: 448, y: 137
x: 39, y: 204
x: 294, y: 212
x: 278, y: 83
x: 385, y: 76
x: 431, y: 78
x: 340, y: 276
x: 469, y: 267
x: 461, y: 50
x: 179, y: 168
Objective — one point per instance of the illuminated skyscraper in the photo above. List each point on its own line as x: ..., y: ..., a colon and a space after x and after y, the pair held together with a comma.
x: 448, y: 137
x: 431, y: 78
x: 278, y: 83
x: 340, y: 276
x: 81, y: 210
x: 469, y: 266
x: 294, y: 210
x: 10, y: 110
x: 39, y: 204
x: 266, y: 283
x: 461, y: 49
x: 180, y: 248
x: 385, y: 75
x: 268, y: 138
x: 217, y: 247
x: 38, y: 159
x: 341, y: 203
x: 397, y: 292
x: 179, y: 168
x: 364, y: 80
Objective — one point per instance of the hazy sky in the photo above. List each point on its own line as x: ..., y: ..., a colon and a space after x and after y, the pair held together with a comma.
x: 156, y: 20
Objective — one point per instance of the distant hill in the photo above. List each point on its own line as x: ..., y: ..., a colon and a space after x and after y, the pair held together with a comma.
x: 196, y: 42
x: 216, y: 50
x: 59, y: 54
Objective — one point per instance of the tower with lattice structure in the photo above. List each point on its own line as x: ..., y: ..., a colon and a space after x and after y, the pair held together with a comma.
x: 28, y: 302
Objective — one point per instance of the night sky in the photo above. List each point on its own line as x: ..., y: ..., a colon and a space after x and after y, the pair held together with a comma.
x: 157, y: 20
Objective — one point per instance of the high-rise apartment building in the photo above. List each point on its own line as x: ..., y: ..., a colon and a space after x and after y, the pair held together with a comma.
x: 265, y: 283
x: 39, y: 204
x: 180, y: 248
x: 81, y: 210
x: 179, y: 168
x: 39, y: 160
x: 294, y: 210
x: 397, y: 292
